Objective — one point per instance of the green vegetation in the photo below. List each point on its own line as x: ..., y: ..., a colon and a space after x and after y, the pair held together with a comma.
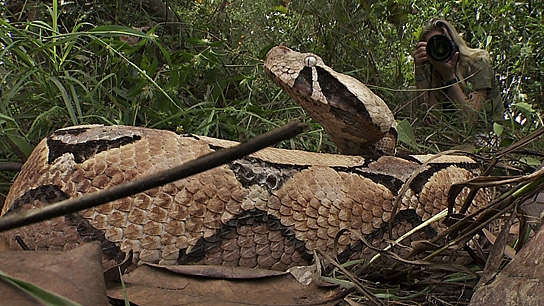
x: 76, y: 64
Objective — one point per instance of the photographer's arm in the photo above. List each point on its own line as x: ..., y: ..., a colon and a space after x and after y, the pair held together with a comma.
x: 472, y: 103
x: 424, y: 97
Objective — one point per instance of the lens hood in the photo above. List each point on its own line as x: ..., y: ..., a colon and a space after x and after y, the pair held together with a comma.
x: 441, y: 48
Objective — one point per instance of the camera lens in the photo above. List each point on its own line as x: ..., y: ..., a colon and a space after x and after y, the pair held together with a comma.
x: 440, y: 48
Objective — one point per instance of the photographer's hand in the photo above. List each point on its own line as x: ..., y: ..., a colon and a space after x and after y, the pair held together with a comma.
x: 446, y: 69
x: 420, y: 54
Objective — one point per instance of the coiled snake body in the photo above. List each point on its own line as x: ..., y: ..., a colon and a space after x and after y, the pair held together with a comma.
x: 268, y: 210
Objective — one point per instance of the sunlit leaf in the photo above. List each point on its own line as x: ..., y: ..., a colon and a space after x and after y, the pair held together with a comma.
x: 406, y: 134
x: 498, y: 129
x: 280, y: 9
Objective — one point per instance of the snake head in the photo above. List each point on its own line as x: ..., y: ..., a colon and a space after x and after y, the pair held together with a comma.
x: 357, y: 120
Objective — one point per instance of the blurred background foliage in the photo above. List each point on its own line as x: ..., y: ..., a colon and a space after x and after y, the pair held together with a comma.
x: 196, y: 66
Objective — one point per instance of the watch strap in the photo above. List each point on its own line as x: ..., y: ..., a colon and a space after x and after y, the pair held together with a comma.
x: 451, y: 82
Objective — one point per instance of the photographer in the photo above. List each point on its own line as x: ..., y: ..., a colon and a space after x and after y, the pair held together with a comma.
x: 457, y: 77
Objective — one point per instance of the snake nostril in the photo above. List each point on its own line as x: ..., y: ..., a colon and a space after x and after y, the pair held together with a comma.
x: 310, y: 61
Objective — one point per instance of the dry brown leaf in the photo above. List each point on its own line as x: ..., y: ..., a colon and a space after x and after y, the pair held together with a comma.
x: 521, y: 282
x: 150, y: 286
x: 533, y: 208
x: 75, y: 274
x: 508, y: 250
x: 220, y: 271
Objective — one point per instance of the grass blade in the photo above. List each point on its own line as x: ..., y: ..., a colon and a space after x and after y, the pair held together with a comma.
x: 43, y: 295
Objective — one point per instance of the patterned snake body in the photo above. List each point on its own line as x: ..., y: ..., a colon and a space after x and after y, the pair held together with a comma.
x: 271, y: 209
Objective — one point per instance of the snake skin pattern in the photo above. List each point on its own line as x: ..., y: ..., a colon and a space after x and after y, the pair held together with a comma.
x: 271, y: 209
x: 268, y: 210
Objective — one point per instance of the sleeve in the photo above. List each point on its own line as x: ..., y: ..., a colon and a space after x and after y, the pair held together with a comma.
x: 480, y: 75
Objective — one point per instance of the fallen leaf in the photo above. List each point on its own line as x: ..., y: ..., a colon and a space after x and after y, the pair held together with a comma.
x: 219, y: 271
x: 75, y: 274
x: 151, y: 286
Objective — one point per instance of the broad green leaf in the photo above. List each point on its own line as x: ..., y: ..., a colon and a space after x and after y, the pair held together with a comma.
x: 525, y: 108
x: 531, y: 161
x: 280, y: 9
x: 406, y: 134
x: 498, y: 129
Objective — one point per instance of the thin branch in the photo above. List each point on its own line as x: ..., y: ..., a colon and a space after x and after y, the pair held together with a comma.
x: 10, y: 166
x: 193, y: 167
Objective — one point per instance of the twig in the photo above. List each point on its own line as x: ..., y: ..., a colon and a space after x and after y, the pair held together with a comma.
x: 10, y: 166
x: 193, y: 167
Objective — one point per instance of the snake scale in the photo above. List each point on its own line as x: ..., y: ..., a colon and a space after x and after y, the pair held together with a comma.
x: 271, y: 209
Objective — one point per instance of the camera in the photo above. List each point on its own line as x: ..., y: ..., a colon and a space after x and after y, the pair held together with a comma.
x: 441, y: 48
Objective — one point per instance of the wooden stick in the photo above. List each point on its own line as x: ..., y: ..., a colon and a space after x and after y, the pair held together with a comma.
x: 10, y: 166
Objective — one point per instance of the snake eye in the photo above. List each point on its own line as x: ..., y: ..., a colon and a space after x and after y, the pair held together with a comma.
x: 310, y: 61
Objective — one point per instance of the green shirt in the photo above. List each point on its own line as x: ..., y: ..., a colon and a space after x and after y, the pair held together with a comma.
x: 480, y: 75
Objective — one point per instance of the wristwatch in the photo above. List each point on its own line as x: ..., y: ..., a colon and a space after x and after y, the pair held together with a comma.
x: 451, y: 82
x: 420, y: 77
